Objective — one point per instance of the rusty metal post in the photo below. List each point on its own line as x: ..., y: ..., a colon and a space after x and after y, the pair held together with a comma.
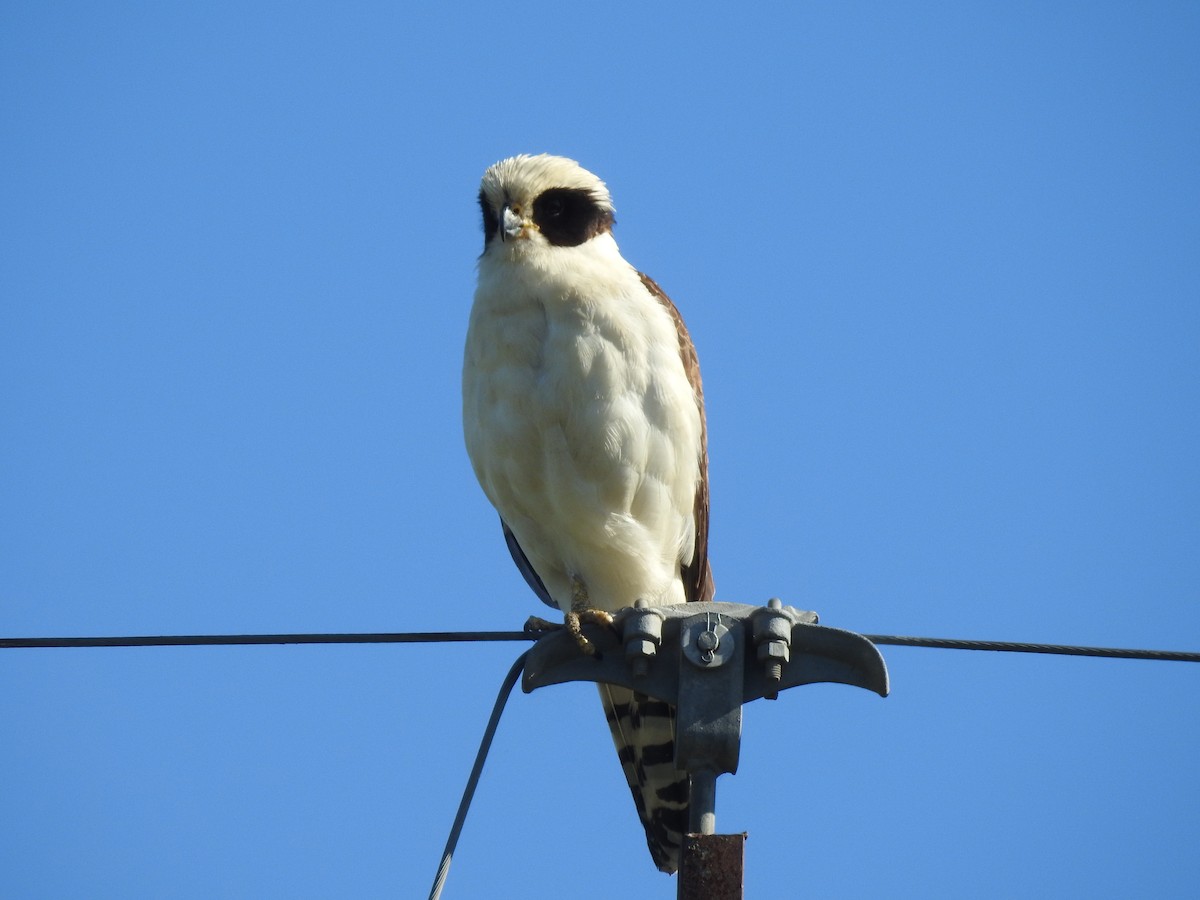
x: 712, y: 867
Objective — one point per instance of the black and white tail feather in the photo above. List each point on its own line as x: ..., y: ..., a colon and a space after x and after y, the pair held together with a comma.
x: 643, y: 730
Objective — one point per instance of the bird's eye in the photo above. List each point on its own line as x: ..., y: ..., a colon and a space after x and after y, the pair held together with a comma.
x: 567, y: 217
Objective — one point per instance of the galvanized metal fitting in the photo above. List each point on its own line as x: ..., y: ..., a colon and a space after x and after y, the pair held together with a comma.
x: 706, y: 641
x: 641, y: 629
x: 773, y: 639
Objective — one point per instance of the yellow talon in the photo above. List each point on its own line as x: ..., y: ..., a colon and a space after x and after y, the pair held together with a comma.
x: 573, y: 621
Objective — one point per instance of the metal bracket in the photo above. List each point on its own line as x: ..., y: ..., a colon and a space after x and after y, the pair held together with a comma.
x: 816, y: 653
x: 697, y: 657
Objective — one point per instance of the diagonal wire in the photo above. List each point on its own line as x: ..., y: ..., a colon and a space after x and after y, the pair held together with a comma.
x: 506, y: 687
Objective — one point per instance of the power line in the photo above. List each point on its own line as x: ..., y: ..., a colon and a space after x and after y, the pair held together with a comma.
x: 1020, y: 647
x: 428, y: 637
x: 192, y: 640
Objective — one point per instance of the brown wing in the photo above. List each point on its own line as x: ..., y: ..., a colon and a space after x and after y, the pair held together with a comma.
x: 697, y: 575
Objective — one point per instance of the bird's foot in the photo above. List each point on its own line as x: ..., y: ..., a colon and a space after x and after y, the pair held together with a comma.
x: 579, y: 612
x: 575, y: 620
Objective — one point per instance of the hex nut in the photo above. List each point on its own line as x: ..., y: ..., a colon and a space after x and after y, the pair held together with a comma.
x: 774, y: 650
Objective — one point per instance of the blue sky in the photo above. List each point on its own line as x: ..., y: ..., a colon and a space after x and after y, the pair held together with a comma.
x: 942, y: 265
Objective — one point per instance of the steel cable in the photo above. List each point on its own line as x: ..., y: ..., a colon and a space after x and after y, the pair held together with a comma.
x: 425, y: 637
x: 439, y: 880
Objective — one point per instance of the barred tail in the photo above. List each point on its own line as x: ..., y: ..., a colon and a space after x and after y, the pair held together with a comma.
x: 644, y: 731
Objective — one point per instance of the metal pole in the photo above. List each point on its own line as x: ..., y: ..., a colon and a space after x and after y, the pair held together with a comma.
x: 712, y: 867
x: 702, y: 804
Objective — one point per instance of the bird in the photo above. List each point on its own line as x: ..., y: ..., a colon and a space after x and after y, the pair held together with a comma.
x: 583, y: 414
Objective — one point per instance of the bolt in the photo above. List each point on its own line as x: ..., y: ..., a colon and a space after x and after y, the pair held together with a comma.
x: 707, y: 642
x: 704, y: 643
x: 639, y: 653
x: 773, y: 654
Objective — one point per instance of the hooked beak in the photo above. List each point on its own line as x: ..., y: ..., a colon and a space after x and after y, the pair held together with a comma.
x: 511, y: 224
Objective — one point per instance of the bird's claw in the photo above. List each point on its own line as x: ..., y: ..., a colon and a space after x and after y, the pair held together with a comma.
x: 574, y: 623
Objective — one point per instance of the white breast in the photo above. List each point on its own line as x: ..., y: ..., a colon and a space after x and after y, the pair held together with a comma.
x: 581, y: 424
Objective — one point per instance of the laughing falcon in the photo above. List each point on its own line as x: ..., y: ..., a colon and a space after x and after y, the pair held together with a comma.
x: 584, y: 421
